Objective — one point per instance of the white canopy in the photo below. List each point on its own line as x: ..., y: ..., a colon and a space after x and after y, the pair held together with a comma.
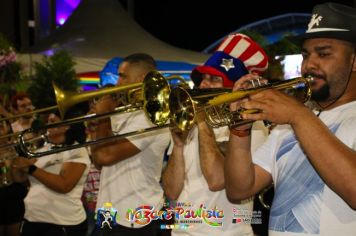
x: 99, y: 30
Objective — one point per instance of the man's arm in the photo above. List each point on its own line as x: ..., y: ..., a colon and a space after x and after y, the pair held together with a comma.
x: 211, y: 158
x: 109, y: 153
x: 64, y: 182
x: 174, y: 173
x: 243, y: 179
x: 332, y: 159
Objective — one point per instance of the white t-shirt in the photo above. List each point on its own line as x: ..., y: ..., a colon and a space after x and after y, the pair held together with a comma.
x: 17, y: 126
x: 303, y: 204
x: 196, y: 190
x: 134, y: 181
x: 45, y: 205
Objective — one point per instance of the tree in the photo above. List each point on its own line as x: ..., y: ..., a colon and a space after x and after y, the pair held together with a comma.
x: 11, y: 77
x: 58, y: 69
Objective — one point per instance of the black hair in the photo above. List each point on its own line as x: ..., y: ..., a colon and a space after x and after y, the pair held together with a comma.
x: 141, y: 57
x: 76, y: 132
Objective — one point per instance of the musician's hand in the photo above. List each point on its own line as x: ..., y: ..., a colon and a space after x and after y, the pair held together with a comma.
x: 179, y: 137
x: 105, y: 104
x: 246, y: 82
x: 22, y: 163
x: 276, y: 107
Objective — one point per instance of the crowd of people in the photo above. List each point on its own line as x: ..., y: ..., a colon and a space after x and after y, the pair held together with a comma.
x: 208, y: 185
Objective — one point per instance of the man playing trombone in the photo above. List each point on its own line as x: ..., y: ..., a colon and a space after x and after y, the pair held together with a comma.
x: 310, y: 156
x: 131, y: 167
x: 194, y: 175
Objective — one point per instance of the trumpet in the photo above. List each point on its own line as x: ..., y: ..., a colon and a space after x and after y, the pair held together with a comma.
x: 142, y: 92
x: 184, y: 104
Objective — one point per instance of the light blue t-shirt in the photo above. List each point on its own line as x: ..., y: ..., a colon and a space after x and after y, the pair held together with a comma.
x: 303, y: 204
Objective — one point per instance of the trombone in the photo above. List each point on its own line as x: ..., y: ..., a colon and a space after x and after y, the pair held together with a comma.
x: 29, y: 113
x: 149, y: 89
x: 66, y: 99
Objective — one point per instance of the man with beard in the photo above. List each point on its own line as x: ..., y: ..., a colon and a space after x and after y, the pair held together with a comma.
x: 310, y: 156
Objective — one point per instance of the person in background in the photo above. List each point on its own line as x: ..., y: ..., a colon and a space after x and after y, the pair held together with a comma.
x: 194, y: 174
x: 311, y: 155
x: 131, y: 167
x: 91, y: 186
x: 11, y: 193
x: 53, y: 204
x: 21, y: 103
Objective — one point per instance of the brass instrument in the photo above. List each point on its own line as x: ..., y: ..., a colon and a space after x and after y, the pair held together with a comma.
x: 29, y: 113
x: 184, y: 104
x: 156, y: 91
x: 66, y: 99
x: 31, y: 142
x: 142, y: 93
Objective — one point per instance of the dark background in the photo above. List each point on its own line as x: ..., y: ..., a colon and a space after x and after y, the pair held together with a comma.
x: 189, y: 24
x: 196, y: 24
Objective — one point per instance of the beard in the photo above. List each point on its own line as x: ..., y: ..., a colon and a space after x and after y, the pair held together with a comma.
x: 322, y: 94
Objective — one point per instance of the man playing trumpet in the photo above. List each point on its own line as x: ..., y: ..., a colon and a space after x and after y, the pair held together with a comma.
x: 310, y: 156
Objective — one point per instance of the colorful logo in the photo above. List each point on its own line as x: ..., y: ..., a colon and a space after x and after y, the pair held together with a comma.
x: 106, y: 216
x: 143, y: 215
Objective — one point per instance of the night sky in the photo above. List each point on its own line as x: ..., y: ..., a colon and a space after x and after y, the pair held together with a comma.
x: 196, y: 24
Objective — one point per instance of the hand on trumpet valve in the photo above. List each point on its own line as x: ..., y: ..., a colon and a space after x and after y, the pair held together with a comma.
x: 249, y: 81
x: 246, y: 82
x: 275, y: 106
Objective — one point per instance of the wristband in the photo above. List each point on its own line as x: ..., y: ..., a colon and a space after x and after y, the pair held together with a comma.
x: 240, y: 133
x: 31, y: 169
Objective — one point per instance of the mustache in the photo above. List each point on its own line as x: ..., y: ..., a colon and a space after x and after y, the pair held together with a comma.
x: 313, y: 74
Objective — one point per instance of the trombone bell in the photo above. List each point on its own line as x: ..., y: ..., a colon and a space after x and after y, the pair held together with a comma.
x: 66, y: 99
x: 156, y: 92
